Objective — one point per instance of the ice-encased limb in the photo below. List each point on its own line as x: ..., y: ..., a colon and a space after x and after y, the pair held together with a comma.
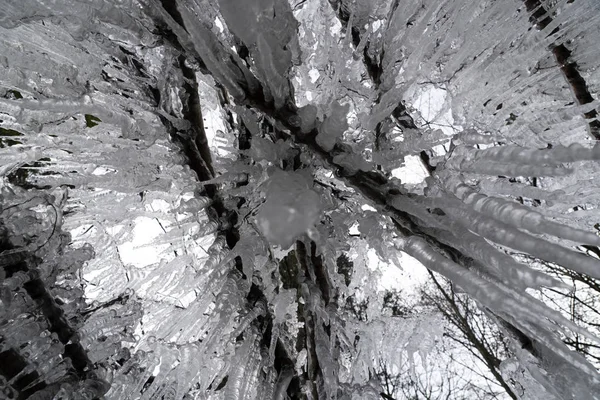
x: 485, y: 167
x: 513, y: 238
x: 228, y: 177
x: 501, y: 299
x: 557, y: 368
x: 217, y: 253
x: 556, y: 155
x: 462, y: 160
x: 414, y: 206
x: 415, y: 142
x: 517, y: 375
x: 194, y: 204
x: 503, y: 187
x: 517, y: 215
x: 202, y: 41
x: 471, y: 137
x: 275, y: 331
x: 260, y: 309
x: 246, y: 361
x: 500, y: 265
x: 283, y: 381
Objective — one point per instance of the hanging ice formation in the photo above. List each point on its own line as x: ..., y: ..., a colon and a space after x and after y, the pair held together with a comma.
x: 178, y: 179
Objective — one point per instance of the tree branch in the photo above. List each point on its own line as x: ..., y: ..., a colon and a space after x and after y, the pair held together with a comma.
x: 541, y: 18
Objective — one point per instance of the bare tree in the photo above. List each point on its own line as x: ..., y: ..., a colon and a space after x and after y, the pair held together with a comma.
x: 472, y: 329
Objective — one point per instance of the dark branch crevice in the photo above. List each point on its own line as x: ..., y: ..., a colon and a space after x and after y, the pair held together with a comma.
x: 12, y: 363
x: 195, y: 147
x: 541, y: 18
x: 194, y: 116
x: 375, y: 70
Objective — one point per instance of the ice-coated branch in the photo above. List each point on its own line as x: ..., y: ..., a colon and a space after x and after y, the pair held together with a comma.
x: 544, y: 21
x: 516, y: 214
x: 502, y: 300
x: 371, y: 57
x: 377, y: 188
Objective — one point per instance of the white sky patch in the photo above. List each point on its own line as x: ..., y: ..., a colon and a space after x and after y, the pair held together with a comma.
x: 433, y: 104
x: 314, y: 75
x: 335, y: 28
x: 413, y: 171
x: 158, y: 205
x: 219, y: 24
x: 141, y: 251
x: 366, y: 207
x: 99, y: 171
x: 377, y: 24
x: 354, y: 229
x: 408, y: 279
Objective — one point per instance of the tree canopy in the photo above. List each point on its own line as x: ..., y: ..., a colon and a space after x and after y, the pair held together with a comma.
x: 194, y: 192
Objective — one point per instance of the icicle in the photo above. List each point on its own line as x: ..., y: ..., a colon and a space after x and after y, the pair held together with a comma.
x: 283, y: 381
x: 498, y: 298
x: 517, y: 215
x: 208, y: 228
x: 168, y: 358
x: 234, y: 390
x: 217, y: 254
x: 187, y: 370
x: 511, y: 237
x: 325, y: 360
x: 471, y: 138
x: 556, y: 155
x: 273, y: 345
x: 260, y: 309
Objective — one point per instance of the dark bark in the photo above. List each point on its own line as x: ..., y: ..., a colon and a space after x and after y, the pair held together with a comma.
x: 541, y: 18
x: 51, y: 315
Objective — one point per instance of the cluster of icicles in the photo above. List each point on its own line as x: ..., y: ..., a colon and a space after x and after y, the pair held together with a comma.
x: 486, y: 228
